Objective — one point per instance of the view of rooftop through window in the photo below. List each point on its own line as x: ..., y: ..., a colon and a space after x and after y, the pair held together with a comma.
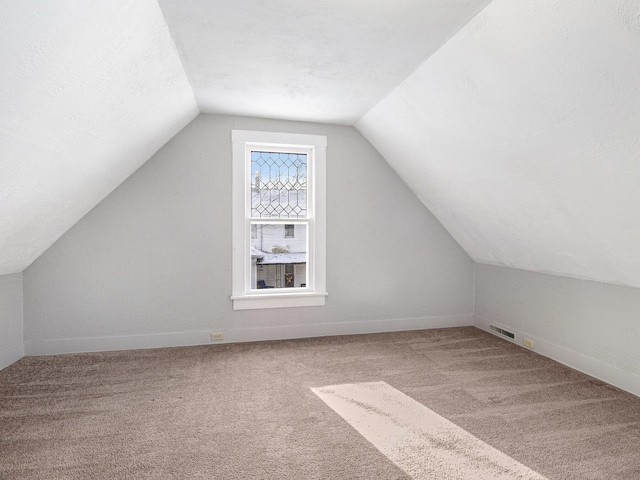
x: 278, y: 191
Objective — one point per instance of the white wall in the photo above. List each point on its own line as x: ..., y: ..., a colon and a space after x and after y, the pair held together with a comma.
x: 591, y: 326
x: 11, y: 334
x: 151, y: 264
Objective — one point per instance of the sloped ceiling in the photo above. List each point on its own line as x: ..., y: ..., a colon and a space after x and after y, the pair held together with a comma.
x: 88, y: 92
x: 522, y: 135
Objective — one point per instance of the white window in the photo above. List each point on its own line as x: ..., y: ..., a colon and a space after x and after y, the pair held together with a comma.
x: 279, y: 188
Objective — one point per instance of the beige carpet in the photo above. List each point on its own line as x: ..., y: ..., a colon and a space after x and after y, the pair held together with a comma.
x: 422, y: 443
x: 248, y: 411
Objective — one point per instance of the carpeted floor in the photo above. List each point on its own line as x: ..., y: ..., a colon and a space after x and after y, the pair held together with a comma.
x: 248, y: 411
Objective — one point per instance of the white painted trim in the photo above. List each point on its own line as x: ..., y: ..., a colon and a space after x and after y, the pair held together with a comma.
x: 251, y: 302
x: 11, y: 355
x: 278, y: 138
x: 282, y: 332
x: 602, y: 371
x: 243, y: 141
x: 128, y: 342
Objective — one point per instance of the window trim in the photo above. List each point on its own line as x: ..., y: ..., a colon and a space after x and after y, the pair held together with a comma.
x: 243, y: 298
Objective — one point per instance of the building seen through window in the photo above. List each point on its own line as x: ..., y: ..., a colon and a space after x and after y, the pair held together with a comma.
x: 279, y: 220
x: 278, y: 192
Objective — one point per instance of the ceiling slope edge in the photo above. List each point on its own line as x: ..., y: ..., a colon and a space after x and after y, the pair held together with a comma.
x: 88, y: 94
x: 306, y: 61
x: 518, y: 135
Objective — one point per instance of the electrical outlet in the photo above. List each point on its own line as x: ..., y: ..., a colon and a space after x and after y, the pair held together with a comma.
x: 217, y: 336
x: 527, y: 343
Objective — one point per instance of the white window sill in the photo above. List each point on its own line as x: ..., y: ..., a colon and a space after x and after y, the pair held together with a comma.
x: 278, y: 300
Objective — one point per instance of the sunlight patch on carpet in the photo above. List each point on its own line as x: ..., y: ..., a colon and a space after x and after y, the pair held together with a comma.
x: 419, y: 441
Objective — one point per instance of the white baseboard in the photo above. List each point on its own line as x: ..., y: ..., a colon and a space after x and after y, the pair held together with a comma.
x: 125, y: 342
x: 602, y: 371
x: 11, y: 355
x: 177, y: 339
x: 350, y: 328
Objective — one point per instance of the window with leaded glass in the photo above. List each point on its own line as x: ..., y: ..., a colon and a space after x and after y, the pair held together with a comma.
x: 279, y: 219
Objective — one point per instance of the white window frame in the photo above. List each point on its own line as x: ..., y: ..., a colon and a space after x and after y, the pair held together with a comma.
x: 314, y: 294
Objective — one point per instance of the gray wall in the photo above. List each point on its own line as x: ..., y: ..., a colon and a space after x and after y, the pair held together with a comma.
x: 11, y: 334
x: 151, y: 264
x: 591, y: 326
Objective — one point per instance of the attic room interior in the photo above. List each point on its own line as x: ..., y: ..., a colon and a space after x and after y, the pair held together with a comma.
x: 333, y: 239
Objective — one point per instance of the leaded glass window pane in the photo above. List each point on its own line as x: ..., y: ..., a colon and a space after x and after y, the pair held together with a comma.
x: 278, y: 185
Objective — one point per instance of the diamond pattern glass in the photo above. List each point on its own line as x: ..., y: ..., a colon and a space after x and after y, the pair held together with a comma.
x: 278, y: 185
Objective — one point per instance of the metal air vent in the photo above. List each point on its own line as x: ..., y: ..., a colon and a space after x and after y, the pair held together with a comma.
x: 503, y: 332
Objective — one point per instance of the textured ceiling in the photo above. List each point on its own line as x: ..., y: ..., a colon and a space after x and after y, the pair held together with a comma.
x: 321, y: 60
x: 518, y: 128
x: 522, y: 135
x: 88, y: 92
